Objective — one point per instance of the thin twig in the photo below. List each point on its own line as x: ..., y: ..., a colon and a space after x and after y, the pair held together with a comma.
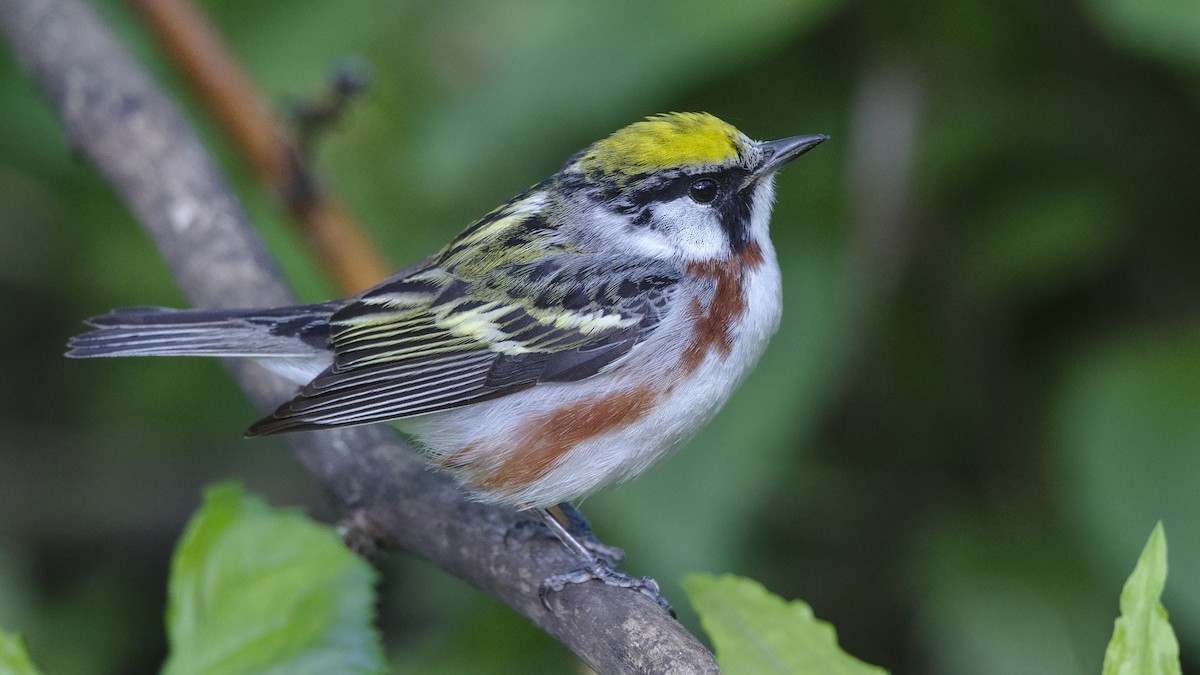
x: 312, y: 117
x: 120, y: 120
x: 212, y: 71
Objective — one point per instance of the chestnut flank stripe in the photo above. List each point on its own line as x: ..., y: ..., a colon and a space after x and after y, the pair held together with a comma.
x: 546, y: 438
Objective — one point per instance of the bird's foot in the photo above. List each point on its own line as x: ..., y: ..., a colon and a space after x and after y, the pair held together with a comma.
x: 597, y: 565
x: 598, y: 570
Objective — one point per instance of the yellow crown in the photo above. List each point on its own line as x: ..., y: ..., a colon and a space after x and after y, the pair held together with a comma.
x: 665, y: 141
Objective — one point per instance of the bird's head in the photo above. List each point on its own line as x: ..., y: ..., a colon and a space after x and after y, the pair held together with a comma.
x: 684, y: 185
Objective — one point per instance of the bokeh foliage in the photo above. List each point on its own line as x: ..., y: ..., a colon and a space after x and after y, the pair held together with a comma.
x: 983, y: 395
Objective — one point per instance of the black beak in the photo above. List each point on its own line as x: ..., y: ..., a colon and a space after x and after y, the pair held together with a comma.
x: 778, y: 153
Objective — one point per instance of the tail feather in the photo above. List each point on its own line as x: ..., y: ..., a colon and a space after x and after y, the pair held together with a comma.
x: 290, y: 332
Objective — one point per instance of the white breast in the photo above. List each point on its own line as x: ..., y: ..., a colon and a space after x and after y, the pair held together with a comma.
x: 476, y: 441
x: 690, y: 403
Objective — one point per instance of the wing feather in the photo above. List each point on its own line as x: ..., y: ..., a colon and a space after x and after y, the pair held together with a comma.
x: 448, y: 335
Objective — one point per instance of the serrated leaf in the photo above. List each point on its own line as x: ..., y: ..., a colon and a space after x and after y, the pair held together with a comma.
x: 14, y: 660
x: 260, y: 590
x: 1143, y: 642
x: 755, y: 631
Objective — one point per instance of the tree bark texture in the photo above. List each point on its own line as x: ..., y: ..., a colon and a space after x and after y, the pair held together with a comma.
x: 119, y: 119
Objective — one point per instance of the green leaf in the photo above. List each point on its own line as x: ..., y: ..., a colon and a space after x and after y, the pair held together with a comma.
x: 755, y: 631
x: 14, y: 660
x: 259, y: 590
x: 1143, y: 642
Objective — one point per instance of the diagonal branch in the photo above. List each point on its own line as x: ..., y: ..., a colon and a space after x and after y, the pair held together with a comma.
x: 232, y: 99
x: 117, y: 118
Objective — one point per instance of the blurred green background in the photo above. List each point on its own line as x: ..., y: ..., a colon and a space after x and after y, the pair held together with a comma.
x: 985, y: 391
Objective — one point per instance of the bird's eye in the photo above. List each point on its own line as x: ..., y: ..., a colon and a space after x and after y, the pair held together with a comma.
x: 703, y: 191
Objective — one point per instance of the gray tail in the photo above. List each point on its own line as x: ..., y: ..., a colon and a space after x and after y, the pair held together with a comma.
x: 300, y: 331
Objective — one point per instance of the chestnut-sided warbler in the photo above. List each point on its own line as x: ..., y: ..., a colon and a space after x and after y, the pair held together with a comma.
x: 565, y: 342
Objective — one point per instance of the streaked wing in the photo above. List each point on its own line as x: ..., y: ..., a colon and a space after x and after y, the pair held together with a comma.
x: 441, y: 338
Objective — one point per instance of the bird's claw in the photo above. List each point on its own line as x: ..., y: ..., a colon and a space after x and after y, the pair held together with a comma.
x: 611, y: 554
x: 600, y: 571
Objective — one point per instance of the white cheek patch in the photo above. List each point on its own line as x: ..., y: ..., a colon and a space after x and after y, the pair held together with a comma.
x: 695, y: 230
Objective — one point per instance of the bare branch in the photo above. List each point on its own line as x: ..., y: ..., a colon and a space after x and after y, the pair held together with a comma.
x: 120, y: 120
x: 212, y: 71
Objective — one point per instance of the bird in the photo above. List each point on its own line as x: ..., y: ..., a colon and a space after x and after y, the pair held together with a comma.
x: 563, y: 343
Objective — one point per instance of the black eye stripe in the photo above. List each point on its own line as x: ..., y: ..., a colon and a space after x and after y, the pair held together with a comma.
x: 680, y: 186
x: 732, y: 205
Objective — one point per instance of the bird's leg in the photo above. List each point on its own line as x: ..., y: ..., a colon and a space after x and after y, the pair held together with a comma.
x: 594, y: 567
x: 570, y: 517
x: 578, y: 528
